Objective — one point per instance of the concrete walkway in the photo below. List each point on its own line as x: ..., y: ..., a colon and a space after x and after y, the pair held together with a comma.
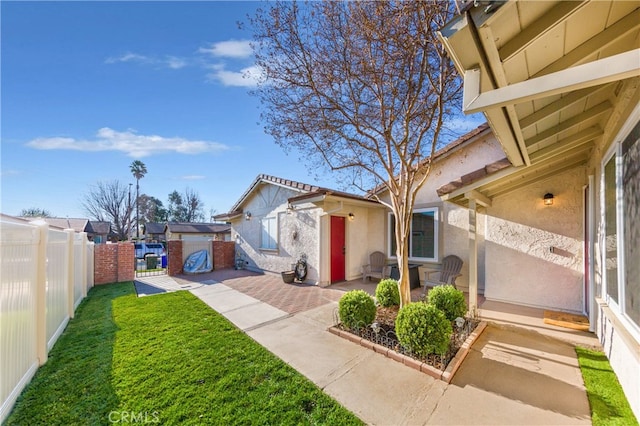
x: 511, y: 375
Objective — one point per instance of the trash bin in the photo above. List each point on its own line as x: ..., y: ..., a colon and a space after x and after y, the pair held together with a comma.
x: 152, y: 261
x: 164, y: 260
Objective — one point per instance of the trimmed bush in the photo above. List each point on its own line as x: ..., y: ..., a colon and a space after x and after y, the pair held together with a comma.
x: 423, y: 329
x: 387, y: 293
x: 449, y: 300
x: 356, y: 309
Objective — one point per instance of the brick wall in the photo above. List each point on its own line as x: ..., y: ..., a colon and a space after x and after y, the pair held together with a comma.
x: 224, y: 253
x: 126, y: 262
x: 174, y: 259
x: 113, y: 263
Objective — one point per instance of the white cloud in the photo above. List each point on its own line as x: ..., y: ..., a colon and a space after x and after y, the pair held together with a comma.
x: 193, y: 177
x: 246, y: 77
x: 175, y: 63
x: 167, y: 61
x: 129, y: 142
x: 229, y: 49
x: 128, y: 57
x: 249, y: 76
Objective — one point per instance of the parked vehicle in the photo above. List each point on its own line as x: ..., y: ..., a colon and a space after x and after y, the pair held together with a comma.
x: 142, y: 250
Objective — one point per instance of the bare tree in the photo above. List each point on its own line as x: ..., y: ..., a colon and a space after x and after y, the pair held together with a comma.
x: 108, y: 201
x: 35, y: 212
x: 363, y: 87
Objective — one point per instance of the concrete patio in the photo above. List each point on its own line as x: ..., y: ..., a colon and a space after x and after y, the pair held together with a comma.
x: 520, y: 370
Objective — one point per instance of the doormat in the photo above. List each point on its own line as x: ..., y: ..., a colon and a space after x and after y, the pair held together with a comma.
x: 566, y: 320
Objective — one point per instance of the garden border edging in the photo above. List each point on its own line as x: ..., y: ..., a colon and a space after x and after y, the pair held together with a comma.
x: 446, y: 375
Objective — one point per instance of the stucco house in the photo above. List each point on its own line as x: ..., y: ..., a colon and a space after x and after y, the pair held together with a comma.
x: 542, y: 205
x: 276, y: 221
x: 559, y: 83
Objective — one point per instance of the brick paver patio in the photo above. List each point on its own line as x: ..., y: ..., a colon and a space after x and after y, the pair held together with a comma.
x: 291, y: 298
x: 269, y: 288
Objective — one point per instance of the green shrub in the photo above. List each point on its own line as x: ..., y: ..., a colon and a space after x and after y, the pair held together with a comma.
x: 387, y: 293
x: 423, y: 329
x: 448, y: 300
x: 356, y: 309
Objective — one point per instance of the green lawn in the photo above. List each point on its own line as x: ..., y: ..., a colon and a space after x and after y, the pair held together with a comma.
x: 166, y: 359
x: 609, y: 406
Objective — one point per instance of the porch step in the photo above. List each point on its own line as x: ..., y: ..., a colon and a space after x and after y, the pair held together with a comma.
x: 566, y: 320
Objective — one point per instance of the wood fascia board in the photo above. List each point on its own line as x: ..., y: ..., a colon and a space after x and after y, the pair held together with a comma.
x: 480, y: 182
x: 540, y: 27
x: 487, y: 40
x: 536, y: 174
x: 501, y: 126
x: 617, y: 67
x: 499, y: 119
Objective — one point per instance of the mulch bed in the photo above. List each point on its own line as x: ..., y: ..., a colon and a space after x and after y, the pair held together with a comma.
x: 386, y: 336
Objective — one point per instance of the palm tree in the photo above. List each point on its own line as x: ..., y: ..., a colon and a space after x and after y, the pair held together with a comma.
x: 138, y: 169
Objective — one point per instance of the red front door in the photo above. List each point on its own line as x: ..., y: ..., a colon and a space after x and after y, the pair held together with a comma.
x: 338, y: 249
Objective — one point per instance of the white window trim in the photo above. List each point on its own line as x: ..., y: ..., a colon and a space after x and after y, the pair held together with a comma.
x: 274, y: 234
x: 616, y: 150
x: 613, y: 151
x: 436, y: 236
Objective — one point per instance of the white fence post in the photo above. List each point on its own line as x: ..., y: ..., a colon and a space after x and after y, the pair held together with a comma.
x: 90, y: 264
x: 69, y: 275
x: 83, y: 262
x: 41, y: 292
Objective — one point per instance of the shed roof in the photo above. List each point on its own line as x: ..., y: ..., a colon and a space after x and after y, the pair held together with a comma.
x: 154, y: 227
x: 198, y: 228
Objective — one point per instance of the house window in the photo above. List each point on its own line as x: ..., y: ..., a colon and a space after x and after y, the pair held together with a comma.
x: 611, y: 229
x: 423, y: 236
x: 630, y: 151
x: 269, y: 239
x: 621, y: 210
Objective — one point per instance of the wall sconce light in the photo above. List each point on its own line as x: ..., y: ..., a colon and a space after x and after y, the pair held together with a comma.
x: 548, y: 199
x: 247, y: 216
x: 351, y: 216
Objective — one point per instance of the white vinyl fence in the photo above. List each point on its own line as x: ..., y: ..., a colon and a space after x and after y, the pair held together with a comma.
x: 44, y: 275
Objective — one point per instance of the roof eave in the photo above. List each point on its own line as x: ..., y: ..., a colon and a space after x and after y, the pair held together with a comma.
x: 461, y: 41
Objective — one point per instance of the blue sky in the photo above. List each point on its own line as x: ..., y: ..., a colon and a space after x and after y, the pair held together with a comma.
x: 89, y: 87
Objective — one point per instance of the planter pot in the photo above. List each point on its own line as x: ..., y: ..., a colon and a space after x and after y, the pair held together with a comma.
x: 288, y: 276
